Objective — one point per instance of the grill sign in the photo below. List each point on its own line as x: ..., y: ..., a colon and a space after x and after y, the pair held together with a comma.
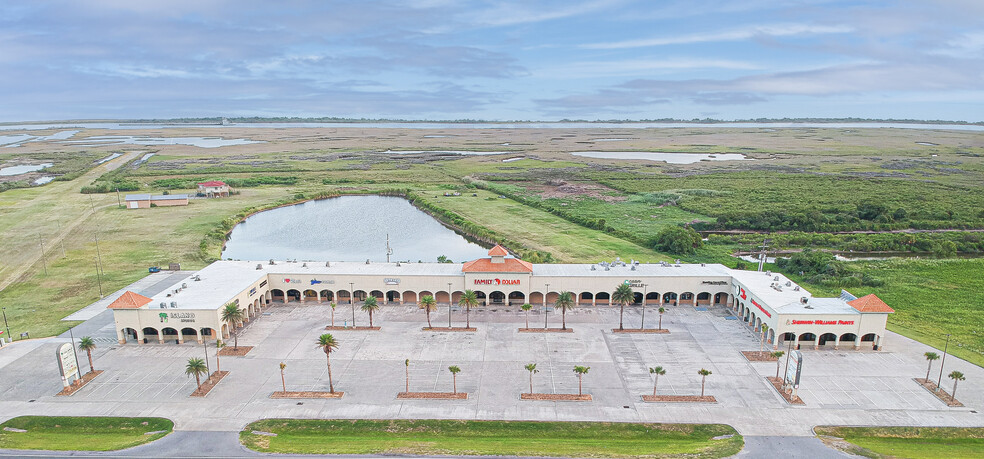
x: 496, y: 281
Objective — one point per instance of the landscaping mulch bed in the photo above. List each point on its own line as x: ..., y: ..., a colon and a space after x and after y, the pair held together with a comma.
x: 759, y: 356
x: 337, y: 327
x: 641, y: 330
x: 449, y: 329
x: 72, y: 389
x: 790, y: 398
x: 556, y: 397
x: 234, y: 352
x: 433, y: 395
x: 942, y: 394
x: 546, y: 330
x: 679, y: 398
x: 209, y: 383
x: 306, y: 394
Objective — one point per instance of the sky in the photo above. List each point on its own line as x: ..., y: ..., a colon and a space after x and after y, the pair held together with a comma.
x: 492, y: 60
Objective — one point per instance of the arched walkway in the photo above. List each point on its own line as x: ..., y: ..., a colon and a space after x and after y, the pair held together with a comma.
x: 151, y: 334
x: 516, y: 297
x: 603, y: 298
x: 378, y: 294
x: 497, y: 298
x: 189, y: 334
x: 410, y: 296
x: 393, y: 296
x: 277, y: 295
x: 586, y: 298
x: 293, y: 295
x: 704, y: 299
x: 849, y: 338
x: 722, y: 298
x: 670, y: 298
x: 827, y: 338
x: 808, y: 339
x: 687, y: 298
x: 326, y: 296
x: 310, y: 295
x: 652, y: 297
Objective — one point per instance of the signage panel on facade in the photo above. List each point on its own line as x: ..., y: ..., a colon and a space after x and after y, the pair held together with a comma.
x: 497, y: 281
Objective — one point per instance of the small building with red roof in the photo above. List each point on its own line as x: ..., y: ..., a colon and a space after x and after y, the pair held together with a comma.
x: 214, y: 189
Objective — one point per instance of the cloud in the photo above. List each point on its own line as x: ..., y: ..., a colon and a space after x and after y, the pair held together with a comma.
x: 773, y: 30
x: 524, y: 12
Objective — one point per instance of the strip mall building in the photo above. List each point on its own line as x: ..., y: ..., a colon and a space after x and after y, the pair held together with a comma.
x: 192, y: 308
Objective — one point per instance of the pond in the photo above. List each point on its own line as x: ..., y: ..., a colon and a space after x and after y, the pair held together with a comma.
x: 203, y: 142
x: 670, y: 158
x: 348, y: 228
x: 22, y: 169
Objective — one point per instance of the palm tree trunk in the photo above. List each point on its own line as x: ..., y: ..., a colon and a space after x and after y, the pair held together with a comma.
x: 370, y: 319
x: 579, y: 385
x: 563, y: 318
x: 91, y: 369
x: 777, y: 368
x: 531, y: 381
x: 283, y: 381
x: 454, y: 383
x: 218, y: 366
x: 429, y: 319
x: 527, y: 319
x: 331, y: 386
x: 654, y: 385
x: 467, y: 316
x: 198, y: 381
x: 929, y: 369
x: 333, y: 317
x: 953, y: 395
x: 702, y: 380
x: 661, y: 321
x: 621, y: 312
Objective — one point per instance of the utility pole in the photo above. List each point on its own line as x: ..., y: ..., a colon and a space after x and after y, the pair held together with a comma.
x: 99, y: 280
x: 449, y: 305
x: 118, y: 201
x: 44, y: 264
x: 943, y: 362
x: 762, y: 255
x: 6, y: 325
x: 98, y: 256
x: 352, y: 301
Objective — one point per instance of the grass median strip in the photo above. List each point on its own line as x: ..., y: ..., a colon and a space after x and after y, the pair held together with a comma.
x: 519, y: 438
x: 910, y: 442
x: 63, y: 433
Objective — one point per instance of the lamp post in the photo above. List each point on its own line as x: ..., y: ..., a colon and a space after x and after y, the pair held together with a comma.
x: 942, y: 362
x: 5, y: 324
x: 352, y: 301
x: 547, y: 292
x: 207, y: 368
x: 449, y: 305
x: 644, y: 306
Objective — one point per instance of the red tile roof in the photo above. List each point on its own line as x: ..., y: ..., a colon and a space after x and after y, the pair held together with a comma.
x: 129, y: 300
x: 498, y: 251
x: 485, y: 265
x: 213, y: 183
x: 870, y: 303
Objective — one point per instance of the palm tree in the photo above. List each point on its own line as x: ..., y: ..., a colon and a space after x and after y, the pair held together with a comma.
x: 777, y: 355
x: 87, y: 344
x: 283, y: 380
x: 328, y: 343
x: 332, y: 304
x: 765, y: 329
x: 526, y: 307
x: 661, y: 311
x: 531, y: 367
x: 623, y: 295
x: 370, y: 306
x: 232, y: 314
x: 956, y: 376
x: 407, y: 364
x: 428, y: 303
x: 219, y: 344
x: 581, y: 371
x: 468, y: 299
x: 703, y: 377
x: 658, y: 371
x: 930, y: 356
x: 454, y: 378
x: 565, y: 301
x: 196, y: 367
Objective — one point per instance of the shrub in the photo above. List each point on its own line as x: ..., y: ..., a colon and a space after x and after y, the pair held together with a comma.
x: 678, y: 240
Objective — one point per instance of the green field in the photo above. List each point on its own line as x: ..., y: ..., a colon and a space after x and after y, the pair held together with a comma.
x: 909, y: 442
x: 499, y: 438
x: 62, y: 433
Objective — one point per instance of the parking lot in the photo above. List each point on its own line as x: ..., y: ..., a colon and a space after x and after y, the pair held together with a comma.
x: 839, y: 387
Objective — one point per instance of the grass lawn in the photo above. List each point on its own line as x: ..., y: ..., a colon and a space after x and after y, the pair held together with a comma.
x: 445, y: 437
x: 910, y: 442
x: 63, y: 433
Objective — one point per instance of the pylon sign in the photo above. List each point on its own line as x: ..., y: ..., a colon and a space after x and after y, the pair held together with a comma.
x: 66, y: 364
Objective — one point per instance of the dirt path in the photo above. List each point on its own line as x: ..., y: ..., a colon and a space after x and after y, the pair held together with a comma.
x: 19, y: 268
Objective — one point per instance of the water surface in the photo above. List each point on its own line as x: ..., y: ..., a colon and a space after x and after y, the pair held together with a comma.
x: 203, y: 142
x: 23, y: 169
x: 348, y: 228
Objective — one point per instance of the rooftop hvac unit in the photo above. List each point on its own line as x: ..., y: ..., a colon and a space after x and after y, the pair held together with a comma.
x: 272, y: 262
x: 633, y: 267
x: 703, y: 265
x: 259, y: 266
x: 789, y: 283
x: 796, y: 288
x: 327, y: 264
x: 776, y: 279
x: 198, y: 278
x: 163, y: 305
x: 304, y: 265
x: 768, y: 273
x: 593, y: 267
x: 804, y: 300
x: 174, y: 304
x: 184, y: 285
x: 607, y: 268
x: 398, y: 264
x: 367, y: 261
x: 677, y: 261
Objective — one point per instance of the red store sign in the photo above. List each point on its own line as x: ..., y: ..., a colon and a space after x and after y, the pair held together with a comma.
x: 823, y: 322
x: 761, y: 308
x: 496, y: 281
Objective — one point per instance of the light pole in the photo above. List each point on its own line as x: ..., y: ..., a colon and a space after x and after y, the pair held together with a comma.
x: 644, y: 306
x: 545, y: 306
x: 5, y: 324
x: 205, y: 346
x: 74, y: 352
x: 352, y: 301
x: 449, y: 305
x: 942, y: 362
